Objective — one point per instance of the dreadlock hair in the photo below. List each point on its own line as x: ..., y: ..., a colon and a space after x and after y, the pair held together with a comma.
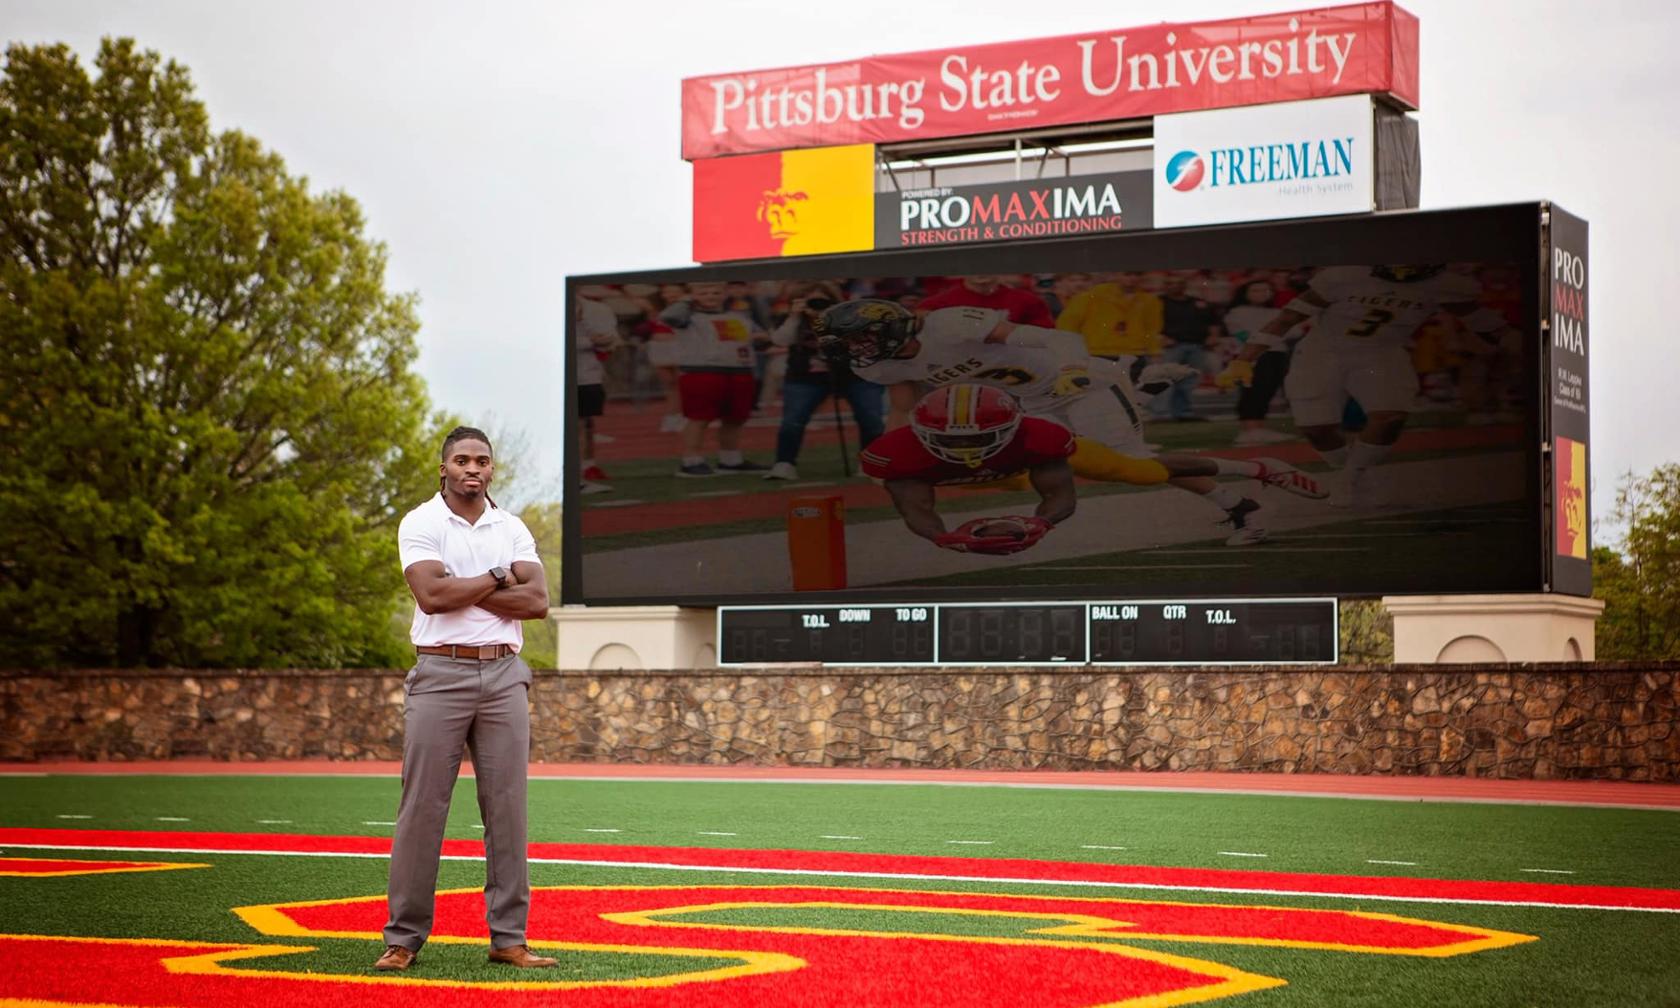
x: 462, y: 434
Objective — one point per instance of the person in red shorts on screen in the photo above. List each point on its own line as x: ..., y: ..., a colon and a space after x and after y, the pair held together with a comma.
x: 989, y: 291
x: 714, y: 358
x: 968, y: 433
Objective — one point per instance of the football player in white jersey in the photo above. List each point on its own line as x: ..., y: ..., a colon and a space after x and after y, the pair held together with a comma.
x: 1363, y: 319
x: 1054, y: 377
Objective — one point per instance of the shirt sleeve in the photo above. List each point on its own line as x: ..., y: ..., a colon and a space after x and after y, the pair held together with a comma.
x: 417, y: 540
x: 1033, y: 309
x: 1072, y: 317
x: 524, y: 547
x: 1046, y: 440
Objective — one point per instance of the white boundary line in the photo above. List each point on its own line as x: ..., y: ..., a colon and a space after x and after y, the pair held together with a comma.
x: 1043, y: 786
x: 913, y: 876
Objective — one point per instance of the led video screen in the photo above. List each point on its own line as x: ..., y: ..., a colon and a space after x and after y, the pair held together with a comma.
x: 1331, y: 407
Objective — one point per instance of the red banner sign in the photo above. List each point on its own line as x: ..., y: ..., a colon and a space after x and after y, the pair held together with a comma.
x: 1095, y: 77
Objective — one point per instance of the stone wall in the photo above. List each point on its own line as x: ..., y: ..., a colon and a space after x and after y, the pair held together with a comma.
x: 1608, y: 720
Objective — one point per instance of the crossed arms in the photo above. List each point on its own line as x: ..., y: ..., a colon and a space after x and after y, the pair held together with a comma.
x: 435, y: 591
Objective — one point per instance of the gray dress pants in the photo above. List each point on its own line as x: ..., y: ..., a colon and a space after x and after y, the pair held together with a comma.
x: 454, y: 704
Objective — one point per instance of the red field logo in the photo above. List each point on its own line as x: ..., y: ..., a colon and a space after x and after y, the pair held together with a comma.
x: 764, y: 946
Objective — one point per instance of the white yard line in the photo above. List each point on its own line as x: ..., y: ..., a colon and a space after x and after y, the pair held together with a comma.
x: 171, y: 818
x: 1547, y: 871
x: 275, y: 822
x: 1411, y: 864
x: 375, y: 822
x: 1238, y: 853
x: 1098, y: 846
x: 922, y: 876
x: 827, y: 836
x: 714, y: 833
x: 75, y: 817
x: 976, y: 843
x: 586, y: 829
x: 724, y: 778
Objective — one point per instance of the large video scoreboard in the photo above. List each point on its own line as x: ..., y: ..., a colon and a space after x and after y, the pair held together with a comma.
x: 1466, y: 495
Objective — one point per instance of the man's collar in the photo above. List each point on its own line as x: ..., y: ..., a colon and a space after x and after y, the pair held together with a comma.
x: 491, y: 515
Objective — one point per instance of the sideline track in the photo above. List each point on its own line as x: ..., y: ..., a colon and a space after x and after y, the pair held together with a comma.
x: 1599, y: 794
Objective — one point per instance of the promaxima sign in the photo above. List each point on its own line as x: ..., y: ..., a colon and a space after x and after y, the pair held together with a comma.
x: 1293, y: 159
x: 1101, y: 76
x: 1007, y: 211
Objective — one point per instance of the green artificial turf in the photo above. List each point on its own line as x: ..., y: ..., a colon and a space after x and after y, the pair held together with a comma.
x: 1601, y: 846
x: 1583, y: 958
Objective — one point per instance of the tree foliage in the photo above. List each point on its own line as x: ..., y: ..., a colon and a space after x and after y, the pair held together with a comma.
x: 542, y: 644
x: 1639, y: 579
x: 210, y: 425
x: 1367, y: 632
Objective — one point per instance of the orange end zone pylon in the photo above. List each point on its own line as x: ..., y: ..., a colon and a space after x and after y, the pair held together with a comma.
x: 816, y: 527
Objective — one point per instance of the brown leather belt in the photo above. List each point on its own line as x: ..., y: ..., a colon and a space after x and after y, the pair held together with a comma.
x: 474, y: 652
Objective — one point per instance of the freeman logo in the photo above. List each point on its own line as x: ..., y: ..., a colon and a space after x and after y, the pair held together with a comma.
x: 1186, y: 170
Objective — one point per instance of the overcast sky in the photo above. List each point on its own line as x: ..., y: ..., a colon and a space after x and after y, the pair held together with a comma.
x: 497, y: 148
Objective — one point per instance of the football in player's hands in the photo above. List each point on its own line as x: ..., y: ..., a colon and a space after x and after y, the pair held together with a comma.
x: 999, y: 528
x: 997, y: 536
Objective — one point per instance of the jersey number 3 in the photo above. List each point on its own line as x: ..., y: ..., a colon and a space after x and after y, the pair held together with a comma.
x: 1005, y: 375
x: 1374, y: 319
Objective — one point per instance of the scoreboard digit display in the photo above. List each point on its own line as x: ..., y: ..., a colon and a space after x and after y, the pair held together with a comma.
x: 1152, y: 632
x: 1219, y: 632
x: 834, y: 635
x: 1032, y: 634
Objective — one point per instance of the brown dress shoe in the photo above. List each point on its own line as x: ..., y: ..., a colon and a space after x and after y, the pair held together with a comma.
x: 396, y: 958
x: 519, y: 955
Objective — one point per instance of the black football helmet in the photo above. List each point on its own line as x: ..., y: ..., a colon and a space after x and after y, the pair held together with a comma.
x: 864, y: 331
x: 1408, y: 272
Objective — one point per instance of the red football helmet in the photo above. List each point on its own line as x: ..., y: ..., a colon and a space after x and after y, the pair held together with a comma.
x: 966, y: 423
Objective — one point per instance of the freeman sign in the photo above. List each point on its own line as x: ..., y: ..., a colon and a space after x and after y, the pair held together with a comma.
x: 1295, y: 159
x: 1009, y: 211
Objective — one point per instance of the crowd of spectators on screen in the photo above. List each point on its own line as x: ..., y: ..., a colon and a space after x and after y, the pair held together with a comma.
x: 1199, y: 318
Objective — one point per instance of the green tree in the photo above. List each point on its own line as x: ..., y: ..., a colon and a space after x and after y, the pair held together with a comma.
x: 210, y: 425
x: 542, y: 644
x: 1639, y: 578
x: 1367, y: 632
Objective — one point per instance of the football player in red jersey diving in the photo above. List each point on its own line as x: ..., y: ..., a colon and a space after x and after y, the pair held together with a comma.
x: 1053, y: 376
x: 966, y: 434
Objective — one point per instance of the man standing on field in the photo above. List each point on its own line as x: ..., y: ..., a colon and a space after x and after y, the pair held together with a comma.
x: 475, y: 575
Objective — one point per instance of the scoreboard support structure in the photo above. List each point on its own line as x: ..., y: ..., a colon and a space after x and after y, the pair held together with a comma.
x: 1455, y: 629
x: 1428, y: 630
x: 677, y: 638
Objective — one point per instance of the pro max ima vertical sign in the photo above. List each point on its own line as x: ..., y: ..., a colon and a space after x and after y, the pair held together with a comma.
x: 1566, y: 382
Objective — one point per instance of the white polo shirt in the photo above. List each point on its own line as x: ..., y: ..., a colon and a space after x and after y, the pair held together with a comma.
x: 433, y: 532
